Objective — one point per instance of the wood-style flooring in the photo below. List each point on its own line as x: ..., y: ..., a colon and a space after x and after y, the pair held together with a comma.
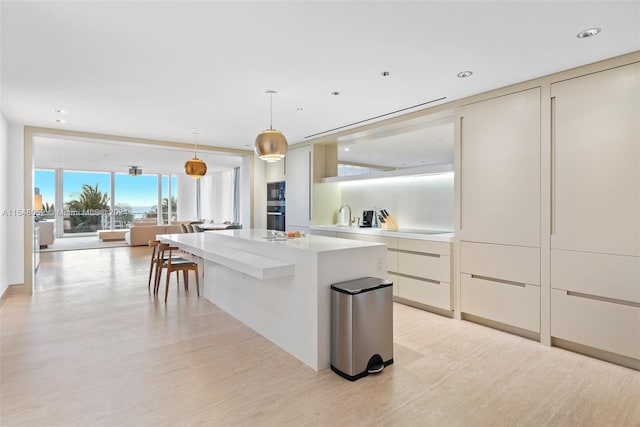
x: 93, y: 347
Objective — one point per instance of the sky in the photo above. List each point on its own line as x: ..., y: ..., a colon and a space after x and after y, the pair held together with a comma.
x: 136, y: 191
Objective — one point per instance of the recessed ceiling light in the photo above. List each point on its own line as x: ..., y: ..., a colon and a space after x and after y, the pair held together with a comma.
x: 61, y: 121
x: 346, y: 149
x: 463, y: 74
x: 385, y: 74
x: 335, y: 93
x: 61, y: 111
x: 588, y: 33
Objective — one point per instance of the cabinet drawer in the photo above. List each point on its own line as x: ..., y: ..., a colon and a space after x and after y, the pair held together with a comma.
x: 429, y: 293
x: 517, y: 305
x: 425, y: 246
x: 352, y: 236
x: 611, y: 276
x: 391, y: 242
x: 605, y: 325
x: 514, y: 263
x: 436, y: 267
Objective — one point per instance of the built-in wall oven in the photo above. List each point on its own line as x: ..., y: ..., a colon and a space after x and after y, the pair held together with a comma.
x: 276, y: 212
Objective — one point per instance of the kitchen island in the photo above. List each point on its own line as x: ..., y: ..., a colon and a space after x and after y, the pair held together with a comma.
x: 281, y: 288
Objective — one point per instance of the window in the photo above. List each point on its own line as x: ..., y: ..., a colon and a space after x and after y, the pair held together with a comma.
x: 136, y: 199
x: 45, y: 183
x: 86, y: 201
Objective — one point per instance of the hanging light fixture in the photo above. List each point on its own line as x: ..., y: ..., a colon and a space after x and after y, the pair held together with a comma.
x: 271, y: 145
x: 195, y: 167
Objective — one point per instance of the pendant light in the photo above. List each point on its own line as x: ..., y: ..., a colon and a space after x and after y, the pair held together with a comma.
x: 195, y: 167
x: 271, y: 145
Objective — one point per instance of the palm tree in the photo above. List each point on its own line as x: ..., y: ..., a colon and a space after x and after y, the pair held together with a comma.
x: 86, y: 211
x: 153, y: 213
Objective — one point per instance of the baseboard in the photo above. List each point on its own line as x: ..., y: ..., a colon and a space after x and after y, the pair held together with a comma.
x: 16, y: 289
x: 502, y: 327
x: 425, y: 307
x: 627, y: 362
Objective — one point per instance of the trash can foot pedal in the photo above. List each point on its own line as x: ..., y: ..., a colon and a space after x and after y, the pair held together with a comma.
x: 375, y: 364
x: 375, y: 369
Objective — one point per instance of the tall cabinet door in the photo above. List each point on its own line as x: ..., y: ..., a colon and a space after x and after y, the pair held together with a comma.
x: 298, y: 187
x: 500, y: 170
x: 596, y: 162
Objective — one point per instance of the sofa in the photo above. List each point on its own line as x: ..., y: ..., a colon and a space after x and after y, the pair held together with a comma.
x: 139, y: 235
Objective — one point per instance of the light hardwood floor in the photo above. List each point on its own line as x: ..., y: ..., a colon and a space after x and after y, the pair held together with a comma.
x: 92, y: 347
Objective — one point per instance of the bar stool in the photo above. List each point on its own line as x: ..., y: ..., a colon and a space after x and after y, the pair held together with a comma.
x: 157, y: 258
x: 171, y: 264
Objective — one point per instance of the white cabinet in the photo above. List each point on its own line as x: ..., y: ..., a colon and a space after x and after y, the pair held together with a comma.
x: 500, y: 170
x: 298, y: 187
x: 307, y: 198
x: 595, y: 211
x: 424, y: 272
x: 596, y: 162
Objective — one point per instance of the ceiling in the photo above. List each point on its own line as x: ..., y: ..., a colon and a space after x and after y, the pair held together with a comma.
x: 145, y: 69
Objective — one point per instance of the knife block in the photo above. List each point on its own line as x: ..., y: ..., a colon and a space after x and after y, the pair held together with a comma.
x: 389, y: 223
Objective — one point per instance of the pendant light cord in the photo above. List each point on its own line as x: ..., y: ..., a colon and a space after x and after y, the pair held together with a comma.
x: 195, y: 142
x: 271, y: 111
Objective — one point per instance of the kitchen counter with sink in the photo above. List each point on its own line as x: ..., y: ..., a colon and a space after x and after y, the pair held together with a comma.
x: 405, y: 233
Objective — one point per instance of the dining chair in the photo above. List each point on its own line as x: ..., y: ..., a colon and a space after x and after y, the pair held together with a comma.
x: 184, y: 228
x: 171, y: 264
x: 157, y: 257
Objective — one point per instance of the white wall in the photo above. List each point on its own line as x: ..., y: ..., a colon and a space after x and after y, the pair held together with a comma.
x: 424, y: 202
x: 216, y: 195
x: 259, y: 191
x: 274, y: 172
x: 4, y: 204
x: 15, y: 184
x: 186, y: 198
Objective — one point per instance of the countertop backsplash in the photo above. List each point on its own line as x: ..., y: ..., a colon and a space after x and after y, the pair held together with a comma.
x: 423, y: 202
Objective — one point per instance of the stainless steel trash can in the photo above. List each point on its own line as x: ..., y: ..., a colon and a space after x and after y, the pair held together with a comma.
x: 361, y: 327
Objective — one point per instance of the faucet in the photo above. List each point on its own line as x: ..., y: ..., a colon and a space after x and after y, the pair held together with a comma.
x: 340, y: 211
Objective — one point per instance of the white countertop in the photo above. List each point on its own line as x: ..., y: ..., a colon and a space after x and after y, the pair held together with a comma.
x: 258, y: 236
x: 431, y: 235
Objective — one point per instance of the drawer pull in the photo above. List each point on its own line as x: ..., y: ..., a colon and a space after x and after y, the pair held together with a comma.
x: 404, y: 251
x: 603, y: 299
x: 422, y: 279
x: 504, y: 282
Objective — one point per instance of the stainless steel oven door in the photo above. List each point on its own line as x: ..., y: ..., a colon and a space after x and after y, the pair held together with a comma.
x: 276, y: 218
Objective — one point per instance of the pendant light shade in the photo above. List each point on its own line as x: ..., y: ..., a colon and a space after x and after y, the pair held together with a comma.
x: 271, y: 145
x: 195, y: 167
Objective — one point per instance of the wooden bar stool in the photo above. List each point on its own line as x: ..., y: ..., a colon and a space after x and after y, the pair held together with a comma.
x: 156, y: 259
x: 171, y: 264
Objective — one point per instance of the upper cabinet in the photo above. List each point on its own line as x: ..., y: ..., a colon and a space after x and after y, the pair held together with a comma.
x: 500, y: 170
x: 596, y: 162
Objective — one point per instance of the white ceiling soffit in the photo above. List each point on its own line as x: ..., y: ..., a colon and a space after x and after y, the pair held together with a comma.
x: 89, y: 155
x: 155, y: 70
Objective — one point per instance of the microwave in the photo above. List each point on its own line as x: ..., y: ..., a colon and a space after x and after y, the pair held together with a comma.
x: 275, y: 191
